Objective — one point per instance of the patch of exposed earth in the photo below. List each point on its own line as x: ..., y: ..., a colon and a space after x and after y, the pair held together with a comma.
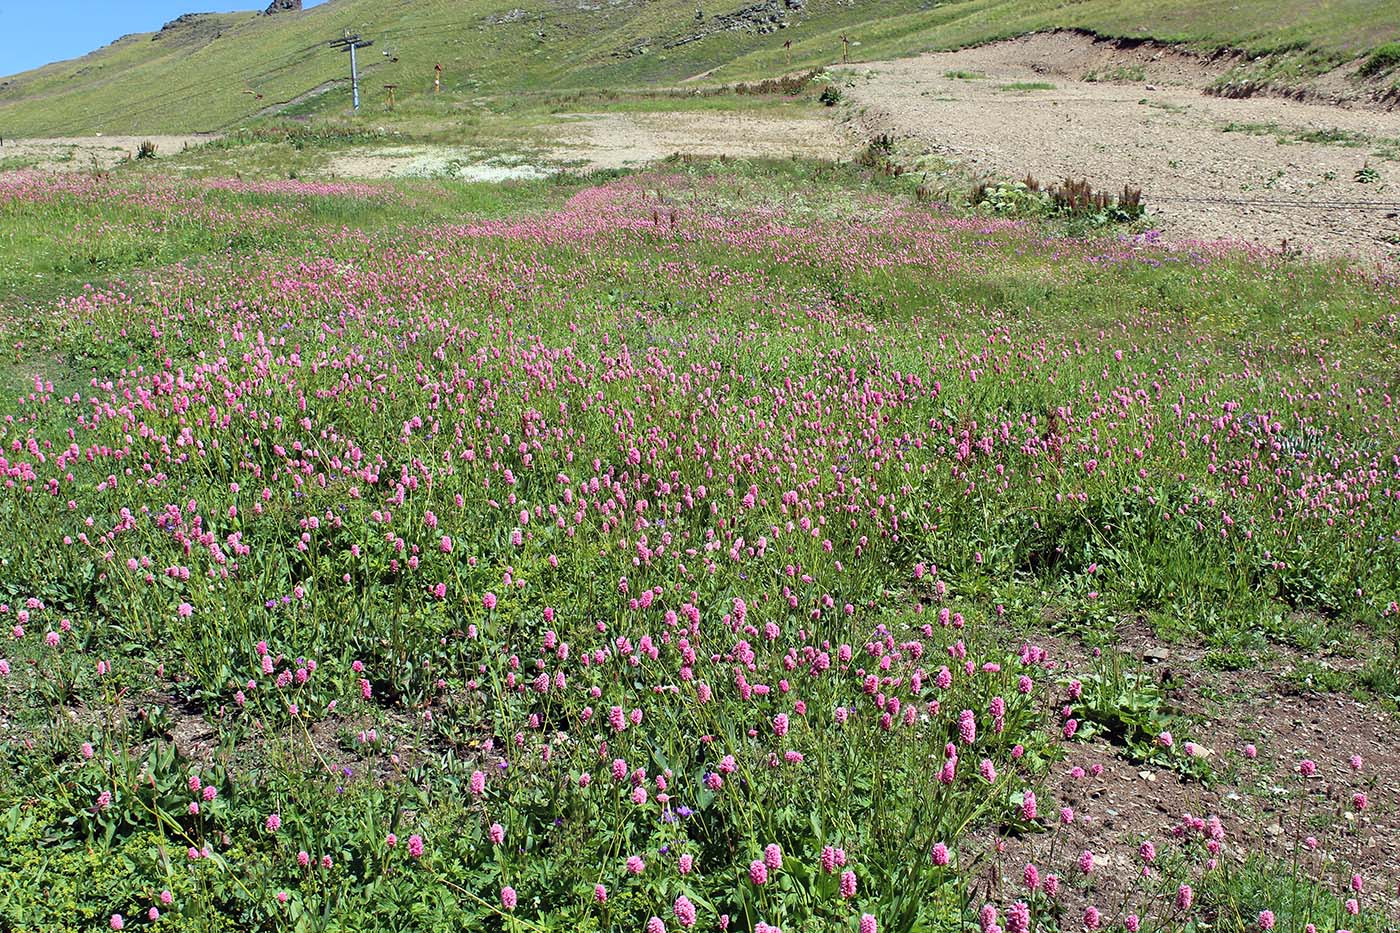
x: 1264, y: 804
x: 431, y: 162
x: 589, y: 141
x: 1255, y: 169
x: 83, y: 153
x: 625, y: 140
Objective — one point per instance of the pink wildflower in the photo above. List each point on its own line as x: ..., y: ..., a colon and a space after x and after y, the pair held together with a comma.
x: 848, y: 884
x: 685, y: 911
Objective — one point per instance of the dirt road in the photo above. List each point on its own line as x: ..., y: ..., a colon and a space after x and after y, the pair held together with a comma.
x: 1024, y: 107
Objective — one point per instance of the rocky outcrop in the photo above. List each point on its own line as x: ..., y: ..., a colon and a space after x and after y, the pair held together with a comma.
x: 515, y: 15
x: 282, y: 6
x: 191, y: 28
x: 183, y: 21
x: 760, y: 18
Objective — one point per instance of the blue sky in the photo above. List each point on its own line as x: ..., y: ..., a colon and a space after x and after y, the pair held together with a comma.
x: 36, y: 32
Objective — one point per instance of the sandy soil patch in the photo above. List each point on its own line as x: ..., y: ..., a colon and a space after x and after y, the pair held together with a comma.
x: 621, y: 140
x: 607, y: 140
x: 1156, y: 131
x: 81, y: 153
x: 431, y: 162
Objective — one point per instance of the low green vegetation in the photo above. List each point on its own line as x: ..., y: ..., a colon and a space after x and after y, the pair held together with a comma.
x: 1382, y: 61
x: 1288, y: 68
x: 1129, y: 709
x: 1122, y: 74
x: 1166, y: 106
x: 1378, y: 146
x: 1073, y: 202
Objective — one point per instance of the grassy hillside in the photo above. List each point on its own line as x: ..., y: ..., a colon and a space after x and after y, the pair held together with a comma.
x: 216, y: 71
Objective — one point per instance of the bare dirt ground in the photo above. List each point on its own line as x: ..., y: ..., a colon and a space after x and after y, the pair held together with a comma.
x: 621, y: 140
x: 588, y: 141
x: 1158, y: 131
x: 425, y: 161
x: 81, y: 153
x: 1264, y: 804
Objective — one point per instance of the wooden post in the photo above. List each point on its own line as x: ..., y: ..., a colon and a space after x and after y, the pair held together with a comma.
x: 787, y: 48
x: 845, y: 49
x: 437, y: 78
x: 390, y: 89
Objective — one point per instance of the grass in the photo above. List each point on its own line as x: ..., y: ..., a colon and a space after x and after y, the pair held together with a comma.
x: 964, y: 75
x: 186, y: 80
x: 15, y: 163
x: 1381, y: 147
x: 1334, y: 137
x: 1288, y: 68
x: 1026, y: 86
x: 1120, y: 74
x: 1233, y: 896
x: 92, y: 235
x: 1382, y: 60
